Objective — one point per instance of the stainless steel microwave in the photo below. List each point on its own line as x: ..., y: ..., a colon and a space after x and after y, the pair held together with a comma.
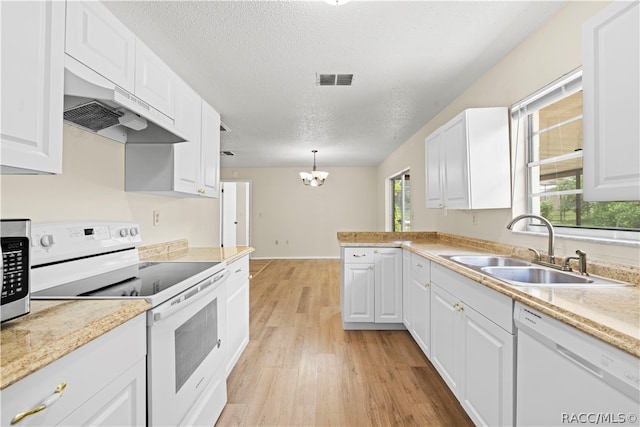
x: 16, y: 268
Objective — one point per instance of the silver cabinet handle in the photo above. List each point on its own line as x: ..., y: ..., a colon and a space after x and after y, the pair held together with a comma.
x: 42, y: 406
x: 359, y: 256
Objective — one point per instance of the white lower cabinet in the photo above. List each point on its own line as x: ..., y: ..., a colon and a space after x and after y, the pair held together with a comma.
x: 371, y: 291
x: 237, y: 310
x: 105, y: 384
x: 473, y: 346
x: 420, y: 302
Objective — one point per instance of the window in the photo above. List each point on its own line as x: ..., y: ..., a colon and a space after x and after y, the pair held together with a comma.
x: 551, y: 123
x: 401, y: 208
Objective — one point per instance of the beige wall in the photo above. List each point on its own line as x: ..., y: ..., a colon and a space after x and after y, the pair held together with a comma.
x: 554, y: 50
x: 284, y: 209
x: 91, y: 187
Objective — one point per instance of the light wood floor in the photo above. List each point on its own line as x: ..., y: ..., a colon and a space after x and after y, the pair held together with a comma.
x: 302, y: 369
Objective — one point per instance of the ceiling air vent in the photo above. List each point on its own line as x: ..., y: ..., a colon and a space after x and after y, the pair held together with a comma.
x: 227, y: 153
x: 334, y: 79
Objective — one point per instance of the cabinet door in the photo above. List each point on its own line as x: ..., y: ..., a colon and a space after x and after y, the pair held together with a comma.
x: 487, y: 370
x: 421, y: 310
x: 155, y: 81
x: 122, y: 403
x: 237, y: 311
x: 96, y: 38
x: 358, y: 305
x: 388, y: 285
x: 611, y: 90
x: 210, y: 151
x: 445, y: 337
x: 433, y: 160
x: 187, y: 154
x: 456, y: 166
x: 32, y: 86
x: 407, y: 318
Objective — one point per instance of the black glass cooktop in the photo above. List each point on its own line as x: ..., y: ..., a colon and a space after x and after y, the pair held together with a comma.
x: 142, y: 280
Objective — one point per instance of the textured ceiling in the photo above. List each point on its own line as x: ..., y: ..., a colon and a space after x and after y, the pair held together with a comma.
x: 256, y: 63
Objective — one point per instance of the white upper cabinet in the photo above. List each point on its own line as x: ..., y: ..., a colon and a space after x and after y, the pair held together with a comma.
x: 467, y: 161
x: 210, y: 157
x: 611, y: 91
x: 186, y: 169
x: 188, y: 119
x: 32, y: 87
x: 96, y: 38
x: 155, y: 81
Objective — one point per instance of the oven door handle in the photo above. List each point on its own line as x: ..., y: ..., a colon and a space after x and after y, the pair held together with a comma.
x: 187, y: 297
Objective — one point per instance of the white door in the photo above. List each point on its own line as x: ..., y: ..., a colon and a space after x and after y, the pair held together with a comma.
x: 210, y: 150
x: 487, y: 370
x: 456, y: 171
x: 611, y: 64
x: 97, y: 39
x: 420, y: 296
x: 388, y: 285
x: 229, y: 217
x: 32, y: 86
x: 433, y: 160
x: 445, y: 337
x: 359, y: 297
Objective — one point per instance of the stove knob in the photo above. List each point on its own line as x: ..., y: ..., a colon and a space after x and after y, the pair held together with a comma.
x: 124, y: 232
x: 47, y: 240
x: 134, y: 231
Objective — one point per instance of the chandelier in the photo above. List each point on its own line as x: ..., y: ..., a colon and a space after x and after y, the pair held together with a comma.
x: 315, y: 178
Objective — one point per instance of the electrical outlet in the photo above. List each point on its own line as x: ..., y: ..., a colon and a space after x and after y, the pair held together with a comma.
x: 474, y: 218
x: 156, y: 218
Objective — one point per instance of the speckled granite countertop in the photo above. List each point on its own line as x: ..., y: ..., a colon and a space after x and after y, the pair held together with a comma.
x: 609, y: 314
x: 54, y: 329
x: 179, y: 251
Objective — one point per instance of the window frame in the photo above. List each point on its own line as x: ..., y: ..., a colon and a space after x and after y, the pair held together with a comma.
x: 392, y: 204
x: 521, y: 115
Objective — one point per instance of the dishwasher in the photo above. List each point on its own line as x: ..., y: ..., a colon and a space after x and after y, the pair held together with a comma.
x: 567, y: 377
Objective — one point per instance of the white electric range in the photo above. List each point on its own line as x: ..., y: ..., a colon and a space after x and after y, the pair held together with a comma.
x: 186, y: 325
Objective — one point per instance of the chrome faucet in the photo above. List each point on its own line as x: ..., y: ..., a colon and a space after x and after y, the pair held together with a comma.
x: 546, y: 222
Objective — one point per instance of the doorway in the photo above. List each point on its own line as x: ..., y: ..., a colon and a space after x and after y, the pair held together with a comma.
x: 235, y: 213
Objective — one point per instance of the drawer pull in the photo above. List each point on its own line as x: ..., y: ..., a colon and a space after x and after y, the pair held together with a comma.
x: 359, y: 256
x: 426, y: 285
x: 458, y: 306
x: 44, y: 405
x: 419, y: 265
x: 238, y: 270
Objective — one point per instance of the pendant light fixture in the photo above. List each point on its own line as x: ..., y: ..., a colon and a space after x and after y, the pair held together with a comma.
x: 315, y: 178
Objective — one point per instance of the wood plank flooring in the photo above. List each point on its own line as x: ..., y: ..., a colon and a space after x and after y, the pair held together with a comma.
x: 302, y: 369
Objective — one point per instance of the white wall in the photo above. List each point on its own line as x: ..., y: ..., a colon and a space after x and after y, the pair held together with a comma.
x: 554, y: 50
x: 284, y: 209
x: 91, y: 187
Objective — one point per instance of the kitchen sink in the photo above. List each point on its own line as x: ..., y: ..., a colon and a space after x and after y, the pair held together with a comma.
x: 518, y: 272
x: 487, y: 260
x: 534, y: 275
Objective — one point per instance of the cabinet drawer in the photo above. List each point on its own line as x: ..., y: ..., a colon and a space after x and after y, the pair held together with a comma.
x: 239, y: 274
x: 86, y: 371
x: 358, y: 255
x: 420, y: 268
x: 491, y: 304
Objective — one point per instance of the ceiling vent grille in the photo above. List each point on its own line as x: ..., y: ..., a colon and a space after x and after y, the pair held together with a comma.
x: 227, y: 153
x: 334, y: 79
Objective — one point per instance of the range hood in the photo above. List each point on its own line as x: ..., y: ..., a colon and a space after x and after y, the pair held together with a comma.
x: 95, y: 104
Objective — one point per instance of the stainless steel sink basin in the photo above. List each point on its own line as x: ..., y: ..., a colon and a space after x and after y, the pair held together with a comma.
x: 487, y: 260
x: 532, y: 274
x: 523, y: 273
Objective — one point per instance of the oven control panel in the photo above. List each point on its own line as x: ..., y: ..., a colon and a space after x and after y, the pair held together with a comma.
x: 51, y: 242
